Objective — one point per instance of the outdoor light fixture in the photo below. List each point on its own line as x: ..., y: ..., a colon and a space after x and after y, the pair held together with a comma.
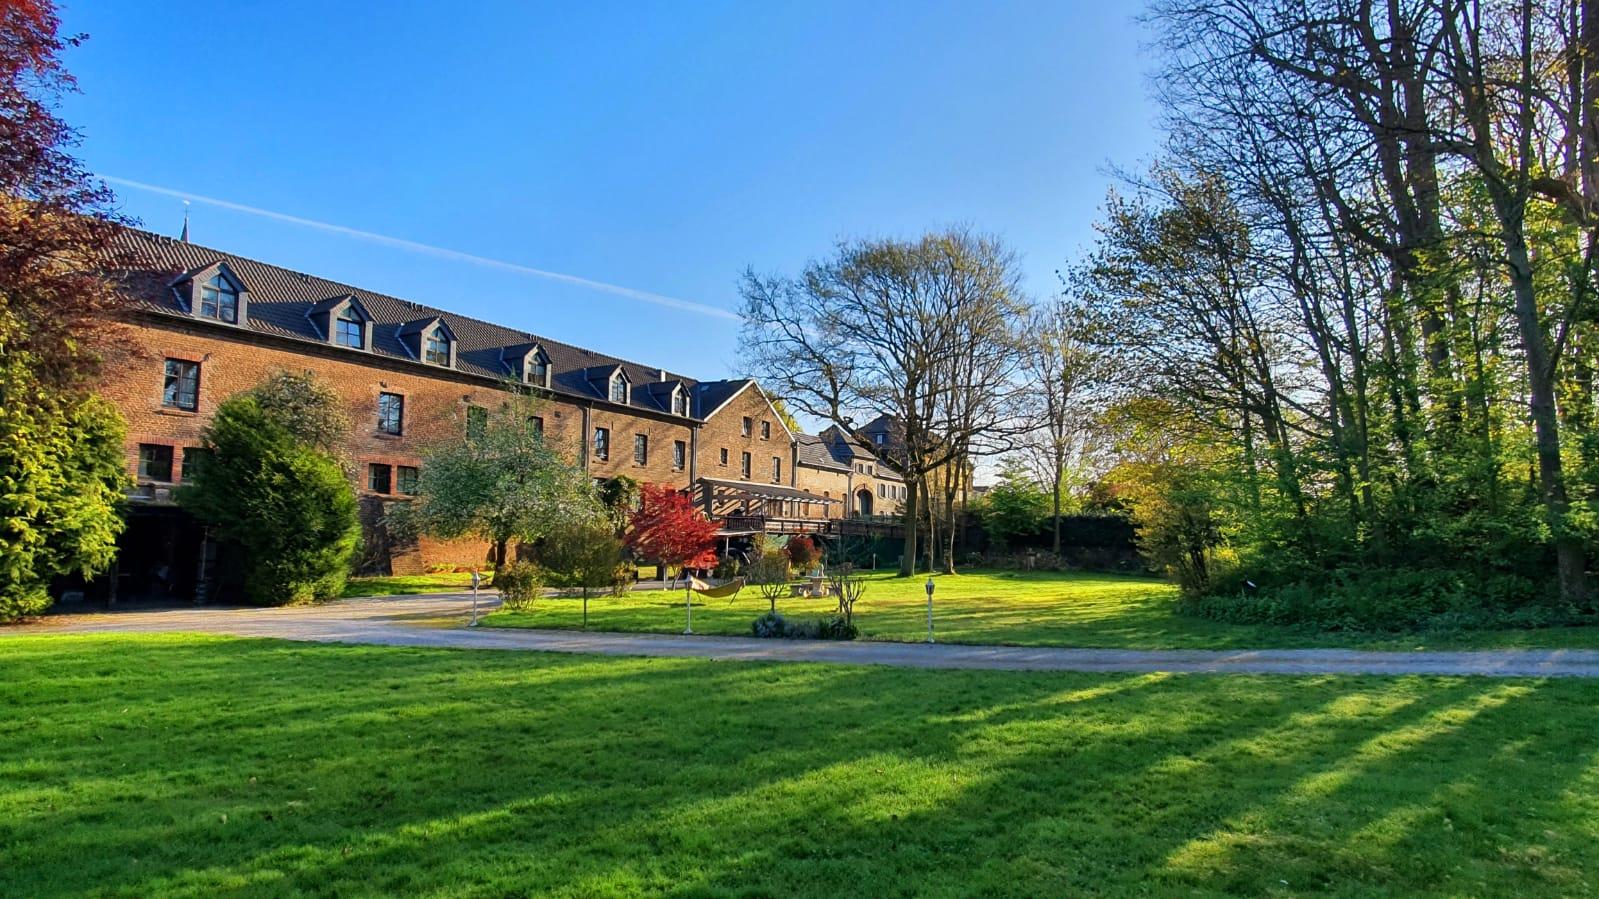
x: 929, y: 608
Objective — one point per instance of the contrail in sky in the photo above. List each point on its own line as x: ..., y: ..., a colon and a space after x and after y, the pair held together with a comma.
x: 438, y: 252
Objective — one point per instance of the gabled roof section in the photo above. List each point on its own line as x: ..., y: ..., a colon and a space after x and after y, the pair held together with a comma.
x: 205, y: 271
x: 814, y: 452
x: 661, y: 392
x: 417, y: 326
x: 146, y: 267
x: 713, y: 396
x: 334, y: 304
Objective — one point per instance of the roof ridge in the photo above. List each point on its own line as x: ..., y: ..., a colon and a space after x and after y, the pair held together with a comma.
x: 424, y: 310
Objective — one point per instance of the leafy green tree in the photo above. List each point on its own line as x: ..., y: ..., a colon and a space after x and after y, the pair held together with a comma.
x: 586, y: 556
x: 1015, y: 507
x: 771, y: 573
x: 310, y: 409
x: 285, y: 506
x: 505, y: 485
x: 61, y: 464
x: 620, y: 496
x: 61, y: 484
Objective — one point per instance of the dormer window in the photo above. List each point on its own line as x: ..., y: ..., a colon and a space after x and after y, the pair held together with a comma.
x: 679, y: 403
x: 618, y: 388
x: 429, y: 340
x: 219, y: 299
x: 436, y: 349
x: 538, y: 370
x: 349, y: 330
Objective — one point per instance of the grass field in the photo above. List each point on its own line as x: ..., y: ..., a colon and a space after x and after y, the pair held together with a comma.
x: 1025, y: 609
x: 194, y: 766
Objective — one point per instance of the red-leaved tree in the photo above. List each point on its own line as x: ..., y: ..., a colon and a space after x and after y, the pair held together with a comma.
x: 667, y: 528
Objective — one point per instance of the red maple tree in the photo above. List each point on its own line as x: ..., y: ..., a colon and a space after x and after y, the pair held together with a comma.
x: 667, y: 528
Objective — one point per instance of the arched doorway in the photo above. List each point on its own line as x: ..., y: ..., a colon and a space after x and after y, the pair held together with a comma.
x: 863, y: 502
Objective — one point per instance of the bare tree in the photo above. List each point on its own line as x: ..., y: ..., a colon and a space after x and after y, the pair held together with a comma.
x: 892, y: 326
x: 1060, y: 365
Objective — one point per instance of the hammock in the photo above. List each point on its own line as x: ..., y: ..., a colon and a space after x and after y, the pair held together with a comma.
x: 727, y: 590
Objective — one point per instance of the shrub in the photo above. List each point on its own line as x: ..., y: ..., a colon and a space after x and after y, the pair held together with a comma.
x: 771, y: 624
x: 1393, y: 600
x: 284, y: 507
x: 519, y: 585
x: 803, y: 553
x: 61, y: 485
x: 770, y: 572
x: 774, y: 626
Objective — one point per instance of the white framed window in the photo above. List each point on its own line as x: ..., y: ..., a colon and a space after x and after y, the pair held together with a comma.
x: 436, y: 349
x: 618, y: 388
x: 219, y: 299
x: 349, y: 330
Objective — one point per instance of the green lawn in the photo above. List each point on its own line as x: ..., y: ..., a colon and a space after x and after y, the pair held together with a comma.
x: 441, y: 582
x: 408, y: 584
x: 1025, y: 609
x: 196, y: 766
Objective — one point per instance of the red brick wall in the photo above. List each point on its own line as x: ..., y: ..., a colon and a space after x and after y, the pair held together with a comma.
x: 435, y: 409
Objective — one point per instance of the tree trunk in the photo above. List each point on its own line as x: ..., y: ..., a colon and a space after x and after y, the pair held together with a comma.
x: 499, y: 554
x: 907, y: 559
x: 1571, y: 563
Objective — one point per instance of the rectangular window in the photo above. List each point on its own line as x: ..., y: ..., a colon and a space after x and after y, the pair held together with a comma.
x: 391, y: 414
x: 405, y: 479
x: 538, y: 424
x: 766, y: 430
x: 602, y: 443
x: 437, y: 350
x: 679, y: 455
x: 744, y: 465
x: 155, y: 462
x: 747, y: 425
x: 641, y: 449
x: 378, y: 477
x: 777, y: 470
x: 477, y: 422
x: 679, y: 403
x: 348, y: 332
x: 219, y: 300
x: 541, y: 372
x: 182, y: 387
x: 191, y: 457
x: 881, y: 493
x: 724, y: 456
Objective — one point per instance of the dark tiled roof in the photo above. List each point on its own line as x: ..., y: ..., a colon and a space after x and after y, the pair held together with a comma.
x: 846, y: 450
x: 710, y: 395
x: 281, y: 299
x: 814, y: 452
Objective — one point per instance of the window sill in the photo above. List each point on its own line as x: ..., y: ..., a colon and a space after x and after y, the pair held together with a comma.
x: 382, y: 435
x: 179, y: 413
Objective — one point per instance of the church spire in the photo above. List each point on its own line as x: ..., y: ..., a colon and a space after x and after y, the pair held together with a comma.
x: 185, y: 235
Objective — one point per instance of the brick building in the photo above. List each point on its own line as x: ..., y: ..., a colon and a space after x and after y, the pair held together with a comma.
x: 210, y: 324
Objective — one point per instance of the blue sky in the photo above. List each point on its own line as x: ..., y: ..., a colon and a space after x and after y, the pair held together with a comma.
x: 659, y: 147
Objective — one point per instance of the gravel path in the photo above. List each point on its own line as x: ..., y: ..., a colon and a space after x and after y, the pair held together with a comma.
x: 436, y: 621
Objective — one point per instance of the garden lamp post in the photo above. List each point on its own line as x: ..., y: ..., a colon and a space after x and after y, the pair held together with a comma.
x: 476, y: 580
x: 688, y: 605
x: 929, y: 608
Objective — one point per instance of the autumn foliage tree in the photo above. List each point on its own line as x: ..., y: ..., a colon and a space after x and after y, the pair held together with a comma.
x: 61, y: 474
x: 668, y: 529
